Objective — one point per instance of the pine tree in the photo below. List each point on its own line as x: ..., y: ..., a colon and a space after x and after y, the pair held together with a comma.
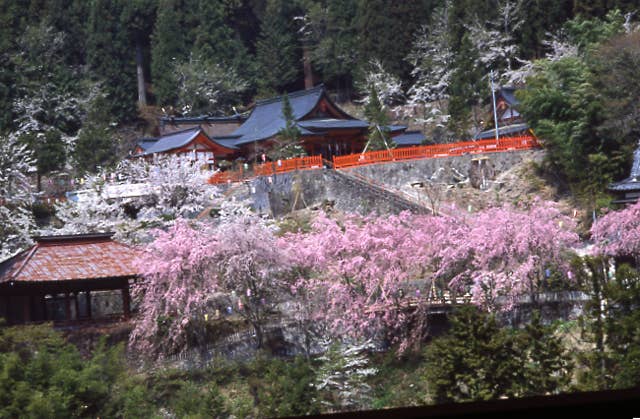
x: 216, y: 42
x: 138, y: 17
x: 287, y: 142
x: 49, y: 151
x: 379, y: 138
x: 476, y: 360
x: 95, y: 146
x: 287, y: 389
x: 277, y: 49
x: 330, y: 32
x: 169, y: 45
x: 386, y: 29
x: 548, y: 366
x: 112, y: 58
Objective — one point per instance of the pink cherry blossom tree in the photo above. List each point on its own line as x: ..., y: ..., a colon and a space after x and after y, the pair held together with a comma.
x: 185, y: 266
x: 367, y: 276
x: 503, y: 254
x: 617, y: 233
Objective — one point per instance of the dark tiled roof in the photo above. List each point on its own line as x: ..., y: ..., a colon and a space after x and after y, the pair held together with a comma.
x: 332, y: 123
x: 266, y: 119
x: 173, y: 141
x: 203, y: 119
x: 226, y: 142
x: 63, y: 258
x: 632, y: 183
x: 502, y: 131
x: 509, y: 95
x: 178, y: 139
x: 146, y: 143
x: 396, y: 128
x: 410, y: 138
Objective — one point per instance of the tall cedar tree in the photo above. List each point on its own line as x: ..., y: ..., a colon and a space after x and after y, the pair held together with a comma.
x: 112, y: 58
x: 49, y: 151
x: 379, y: 138
x: 277, y: 50
x: 215, y: 41
x: 138, y: 16
x: 332, y: 38
x: 387, y: 29
x: 169, y: 45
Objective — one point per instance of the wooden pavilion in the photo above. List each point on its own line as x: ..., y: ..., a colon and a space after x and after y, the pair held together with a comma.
x: 68, y: 278
x: 325, y: 129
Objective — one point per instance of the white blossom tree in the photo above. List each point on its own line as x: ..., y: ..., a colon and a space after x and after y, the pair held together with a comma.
x: 16, y: 218
x: 137, y: 194
x: 494, y: 40
x: 387, y: 85
x: 207, y: 88
x: 342, y: 376
x: 46, y: 98
x: 432, y: 59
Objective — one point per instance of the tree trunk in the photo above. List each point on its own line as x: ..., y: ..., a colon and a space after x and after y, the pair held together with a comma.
x: 259, y: 335
x: 142, y: 92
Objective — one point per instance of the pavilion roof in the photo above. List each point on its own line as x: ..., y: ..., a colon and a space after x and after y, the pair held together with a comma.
x: 72, y: 257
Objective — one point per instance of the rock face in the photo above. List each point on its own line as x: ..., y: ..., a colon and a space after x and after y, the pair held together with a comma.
x: 418, y: 185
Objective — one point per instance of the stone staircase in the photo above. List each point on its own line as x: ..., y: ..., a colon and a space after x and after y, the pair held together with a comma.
x: 396, y: 198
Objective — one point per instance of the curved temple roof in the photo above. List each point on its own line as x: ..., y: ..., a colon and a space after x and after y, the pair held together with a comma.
x: 64, y: 258
x: 266, y: 119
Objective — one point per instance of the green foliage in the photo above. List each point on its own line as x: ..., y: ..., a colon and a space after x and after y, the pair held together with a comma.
x: 547, y: 366
x: 277, y: 50
x: 479, y: 360
x: 331, y: 34
x: 168, y: 46
x: 287, y: 389
x: 49, y: 150
x: 194, y: 401
x: 111, y: 57
x: 610, y: 326
x: 96, y: 145
x: 386, y: 29
x: 41, y: 375
x: 622, y: 327
x: 563, y: 108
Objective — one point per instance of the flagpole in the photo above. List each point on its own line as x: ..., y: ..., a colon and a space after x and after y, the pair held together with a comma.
x: 495, y: 112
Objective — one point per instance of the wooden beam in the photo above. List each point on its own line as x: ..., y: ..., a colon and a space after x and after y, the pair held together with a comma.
x: 126, y: 301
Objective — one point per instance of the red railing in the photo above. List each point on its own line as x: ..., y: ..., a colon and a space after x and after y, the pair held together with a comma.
x: 268, y: 169
x: 289, y: 165
x: 437, y: 150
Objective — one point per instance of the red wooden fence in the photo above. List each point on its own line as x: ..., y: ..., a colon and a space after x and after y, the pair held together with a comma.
x: 373, y: 157
x: 437, y: 150
x: 289, y: 165
x: 268, y: 169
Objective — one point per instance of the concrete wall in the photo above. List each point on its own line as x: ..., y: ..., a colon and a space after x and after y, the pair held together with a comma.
x: 402, y: 173
x: 277, y: 194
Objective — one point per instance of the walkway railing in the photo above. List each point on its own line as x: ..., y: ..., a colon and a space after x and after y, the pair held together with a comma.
x: 437, y: 150
x: 289, y: 165
x: 267, y: 169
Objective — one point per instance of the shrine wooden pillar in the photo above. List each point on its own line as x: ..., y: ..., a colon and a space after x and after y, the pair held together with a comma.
x: 67, y: 306
x: 88, y: 301
x: 126, y: 301
x: 26, y: 313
